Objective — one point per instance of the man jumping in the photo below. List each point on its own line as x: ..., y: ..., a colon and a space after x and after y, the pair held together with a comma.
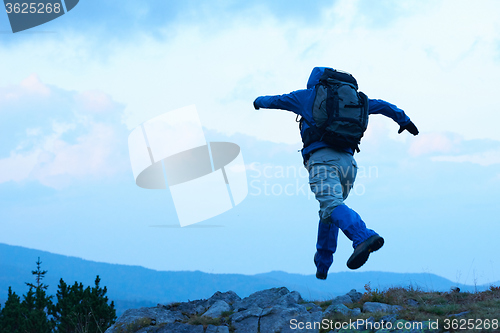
x: 334, y: 117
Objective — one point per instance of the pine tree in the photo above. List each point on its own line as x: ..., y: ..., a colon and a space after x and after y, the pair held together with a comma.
x: 36, y: 305
x: 77, y: 309
x: 80, y: 309
x: 104, y: 315
x: 63, y: 310
x: 11, y: 315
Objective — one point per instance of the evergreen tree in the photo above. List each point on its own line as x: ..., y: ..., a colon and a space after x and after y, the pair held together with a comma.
x: 77, y: 309
x: 80, y: 309
x: 11, y: 315
x: 36, y: 304
x: 63, y: 310
x: 104, y: 315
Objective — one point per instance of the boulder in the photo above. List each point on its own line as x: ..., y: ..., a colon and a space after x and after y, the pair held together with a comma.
x: 229, y: 297
x: 337, y: 308
x: 282, y: 319
x: 344, y: 299
x: 145, y: 316
x: 217, y: 329
x: 381, y: 307
x: 355, y: 295
x: 189, y: 308
x: 262, y: 299
x: 312, y: 307
x: 412, y: 302
x: 180, y: 328
x: 273, y: 310
x: 355, y: 312
x: 201, y: 306
x: 290, y: 299
x: 246, y: 321
x: 216, y: 310
x: 389, y: 318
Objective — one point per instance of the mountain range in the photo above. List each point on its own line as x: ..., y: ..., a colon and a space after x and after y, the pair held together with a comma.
x: 135, y: 286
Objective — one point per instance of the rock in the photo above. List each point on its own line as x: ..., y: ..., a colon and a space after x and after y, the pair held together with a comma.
x: 461, y: 314
x: 217, y: 329
x: 412, y: 302
x: 286, y: 319
x: 344, y: 299
x: 261, y: 299
x: 336, y: 308
x: 190, y: 308
x: 246, y: 321
x: 355, y: 312
x: 312, y: 307
x: 217, y: 309
x: 144, y: 316
x: 149, y: 329
x: 229, y: 297
x: 389, y: 318
x: 290, y: 299
x: 270, y: 311
x: 180, y: 328
x: 380, y: 307
x: 201, y: 306
x: 241, y: 315
x: 355, y: 295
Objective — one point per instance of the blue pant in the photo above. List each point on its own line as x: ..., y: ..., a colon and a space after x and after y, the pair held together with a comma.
x: 331, y: 176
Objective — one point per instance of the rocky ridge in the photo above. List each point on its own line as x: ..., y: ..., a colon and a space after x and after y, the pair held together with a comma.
x: 267, y: 311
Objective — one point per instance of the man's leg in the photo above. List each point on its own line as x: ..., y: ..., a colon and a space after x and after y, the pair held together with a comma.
x: 325, y: 184
x: 351, y: 224
x: 364, y: 240
x: 326, y: 246
x: 331, y: 176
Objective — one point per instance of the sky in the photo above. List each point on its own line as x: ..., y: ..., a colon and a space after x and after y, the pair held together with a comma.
x: 72, y: 90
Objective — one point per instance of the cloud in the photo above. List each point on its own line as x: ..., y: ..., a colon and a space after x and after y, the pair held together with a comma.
x: 60, y: 162
x: 17, y: 167
x: 32, y: 85
x: 95, y: 101
x: 483, y: 158
x: 80, y: 138
x: 429, y: 143
x: 29, y: 87
x: 221, y: 55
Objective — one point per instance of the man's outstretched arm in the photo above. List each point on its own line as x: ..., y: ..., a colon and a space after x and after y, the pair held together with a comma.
x: 295, y: 101
x: 378, y: 106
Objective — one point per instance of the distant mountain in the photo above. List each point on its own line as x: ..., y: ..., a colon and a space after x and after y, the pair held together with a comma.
x: 135, y: 286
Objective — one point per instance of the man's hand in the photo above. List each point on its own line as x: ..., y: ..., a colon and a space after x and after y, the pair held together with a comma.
x: 255, y: 105
x: 410, y: 127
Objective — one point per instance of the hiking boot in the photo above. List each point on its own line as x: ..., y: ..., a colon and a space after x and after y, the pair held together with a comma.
x: 362, y: 251
x: 319, y: 275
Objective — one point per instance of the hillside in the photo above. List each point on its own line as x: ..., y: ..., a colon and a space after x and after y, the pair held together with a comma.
x: 135, y: 286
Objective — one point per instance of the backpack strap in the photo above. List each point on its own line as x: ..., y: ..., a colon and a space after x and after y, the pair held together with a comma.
x: 332, y: 103
x: 313, y: 127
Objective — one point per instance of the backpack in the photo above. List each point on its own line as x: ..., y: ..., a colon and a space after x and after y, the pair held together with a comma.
x: 339, y: 110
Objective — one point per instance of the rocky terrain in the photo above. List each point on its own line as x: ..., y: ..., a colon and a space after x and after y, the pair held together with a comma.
x: 268, y: 311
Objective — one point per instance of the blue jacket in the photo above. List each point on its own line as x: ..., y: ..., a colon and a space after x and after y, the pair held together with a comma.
x: 301, y: 103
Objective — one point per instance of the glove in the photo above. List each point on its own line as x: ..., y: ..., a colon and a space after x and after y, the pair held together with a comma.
x: 255, y: 105
x: 410, y: 127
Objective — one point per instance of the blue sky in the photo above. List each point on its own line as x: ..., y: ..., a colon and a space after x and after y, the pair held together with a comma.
x: 72, y: 89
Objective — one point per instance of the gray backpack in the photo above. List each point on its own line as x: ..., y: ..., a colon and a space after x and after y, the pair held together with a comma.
x: 340, y: 112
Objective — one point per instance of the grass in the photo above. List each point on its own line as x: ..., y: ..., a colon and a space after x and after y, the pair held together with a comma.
x: 438, y: 307
x: 134, y: 326
x: 205, y: 321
